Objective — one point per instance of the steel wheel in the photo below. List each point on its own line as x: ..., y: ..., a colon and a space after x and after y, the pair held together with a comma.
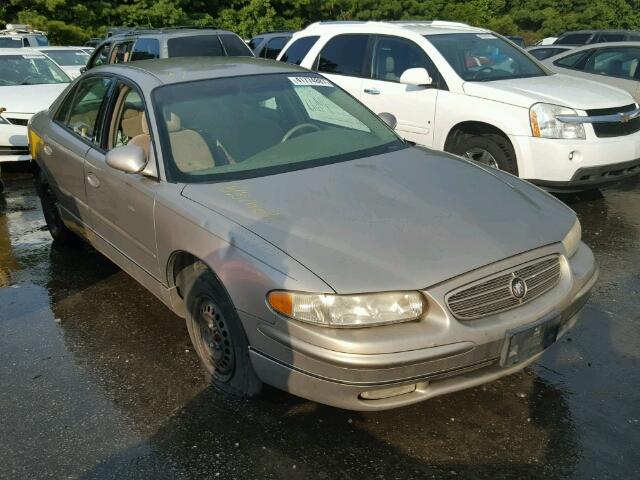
x: 482, y: 156
x: 214, y: 340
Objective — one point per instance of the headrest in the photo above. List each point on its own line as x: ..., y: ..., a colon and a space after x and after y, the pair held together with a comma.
x: 173, y: 121
x: 132, y: 122
x: 389, y: 64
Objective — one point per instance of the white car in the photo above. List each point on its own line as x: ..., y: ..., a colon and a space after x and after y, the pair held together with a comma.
x: 29, y: 82
x: 69, y: 59
x: 471, y: 92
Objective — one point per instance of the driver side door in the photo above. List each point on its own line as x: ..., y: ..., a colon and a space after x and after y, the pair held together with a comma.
x: 122, y: 205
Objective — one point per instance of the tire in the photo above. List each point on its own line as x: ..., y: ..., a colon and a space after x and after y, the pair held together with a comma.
x: 59, y: 231
x: 216, y: 332
x: 488, y: 149
x: 1, y: 187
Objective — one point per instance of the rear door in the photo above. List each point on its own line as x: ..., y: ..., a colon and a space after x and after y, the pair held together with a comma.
x: 414, y: 107
x: 344, y: 60
x: 617, y: 66
x: 72, y: 133
x: 121, y: 204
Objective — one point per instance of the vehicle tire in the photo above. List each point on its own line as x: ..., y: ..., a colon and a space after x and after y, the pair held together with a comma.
x: 1, y: 187
x: 487, y: 149
x: 216, y: 332
x: 59, y: 231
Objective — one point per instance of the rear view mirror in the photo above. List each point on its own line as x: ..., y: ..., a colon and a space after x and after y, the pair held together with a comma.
x: 389, y: 119
x: 418, y: 77
x: 127, y: 159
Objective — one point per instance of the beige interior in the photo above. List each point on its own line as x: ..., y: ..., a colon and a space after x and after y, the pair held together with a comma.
x: 190, y: 152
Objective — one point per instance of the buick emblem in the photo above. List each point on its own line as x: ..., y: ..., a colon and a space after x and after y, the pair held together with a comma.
x: 518, y: 287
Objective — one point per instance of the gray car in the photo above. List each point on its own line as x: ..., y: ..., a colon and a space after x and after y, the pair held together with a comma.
x: 306, y: 244
x: 616, y: 64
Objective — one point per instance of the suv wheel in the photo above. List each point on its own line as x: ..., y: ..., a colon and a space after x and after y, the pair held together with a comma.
x: 491, y: 150
x: 217, y: 333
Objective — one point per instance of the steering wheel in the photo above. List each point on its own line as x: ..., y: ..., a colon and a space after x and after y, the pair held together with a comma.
x: 487, y: 70
x: 297, y: 128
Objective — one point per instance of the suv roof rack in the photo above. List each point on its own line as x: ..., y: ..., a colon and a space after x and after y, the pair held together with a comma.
x: 143, y: 31
x: 400, y: 23
x: 20, y: 29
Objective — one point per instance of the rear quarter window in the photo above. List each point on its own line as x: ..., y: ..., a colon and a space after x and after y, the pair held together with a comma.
x: 298, y: 50
x: 344, y: 55
x: 234, y: 46
x: 195, y: 46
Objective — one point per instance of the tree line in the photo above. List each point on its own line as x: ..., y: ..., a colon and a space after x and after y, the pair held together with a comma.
x: 75, y: 21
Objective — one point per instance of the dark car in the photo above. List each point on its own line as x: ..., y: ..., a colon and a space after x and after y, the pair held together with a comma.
x: 586, y: 37
x: 517, y: 39
x: 542, y: 52
x: 269, y: 45
x: 168, y: 42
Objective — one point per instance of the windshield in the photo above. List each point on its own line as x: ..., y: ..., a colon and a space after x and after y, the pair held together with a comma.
x: 29, y: 69
x: 68, y: 58
x: 483, y: 57
x: 251, y: 126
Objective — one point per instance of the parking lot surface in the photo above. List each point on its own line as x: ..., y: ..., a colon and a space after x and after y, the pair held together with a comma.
x: 98, y: 380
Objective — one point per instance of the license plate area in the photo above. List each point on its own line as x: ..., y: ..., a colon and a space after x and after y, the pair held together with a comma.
x: 523, y: 343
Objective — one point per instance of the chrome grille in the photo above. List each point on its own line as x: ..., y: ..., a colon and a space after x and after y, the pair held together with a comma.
x: 494, y: 295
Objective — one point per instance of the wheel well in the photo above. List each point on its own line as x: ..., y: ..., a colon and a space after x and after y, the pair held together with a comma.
x: 177, y: 263
x: 473, y: 128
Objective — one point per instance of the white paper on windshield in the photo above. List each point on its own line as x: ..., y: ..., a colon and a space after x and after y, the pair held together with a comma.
x: 29, y: 57
x: 310, y: 81
x: 485, y: 36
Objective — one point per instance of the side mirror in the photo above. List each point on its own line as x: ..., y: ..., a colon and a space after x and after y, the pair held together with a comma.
x: 83, y: 70
x: 389, y: 119
x: 127, y: 159
x: 418, y: 77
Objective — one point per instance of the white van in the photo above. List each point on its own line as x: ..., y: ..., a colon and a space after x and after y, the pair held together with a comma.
x: 471, y: 92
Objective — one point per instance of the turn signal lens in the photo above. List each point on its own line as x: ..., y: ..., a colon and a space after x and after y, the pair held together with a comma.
x: 362, y: 310
x: 34, y: 142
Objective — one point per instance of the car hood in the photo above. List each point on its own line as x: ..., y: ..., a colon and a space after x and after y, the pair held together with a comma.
x: 406, y: 220
x: 556, y: 89
x: 29, y: 98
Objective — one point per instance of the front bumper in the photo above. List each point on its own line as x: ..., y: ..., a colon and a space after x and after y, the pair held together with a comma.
x: 465, y: 355
x: 577, y: 164
x: 14, y: 143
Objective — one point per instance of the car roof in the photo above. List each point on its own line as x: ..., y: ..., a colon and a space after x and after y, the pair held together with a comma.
x: 612, y: 30
x: 52, y: 47
x: 591, y: 46
x: 20, y: 51
x: 167, y: 32
x: 186, y: 69
x: 421, y: 27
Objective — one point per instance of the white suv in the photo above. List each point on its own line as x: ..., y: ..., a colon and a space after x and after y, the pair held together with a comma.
x: 471, y: 92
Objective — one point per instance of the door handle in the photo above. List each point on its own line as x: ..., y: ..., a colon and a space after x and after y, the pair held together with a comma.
x: 47, y: 149
x: 93, y: 180
x: 372, y: 91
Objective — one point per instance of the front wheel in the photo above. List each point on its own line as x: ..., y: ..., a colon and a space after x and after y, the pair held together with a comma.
x: 490, y: 150
x: 217, y: 333
x: 58, y: 230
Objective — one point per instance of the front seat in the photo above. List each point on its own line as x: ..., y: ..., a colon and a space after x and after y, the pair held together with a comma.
x: 190, y: 151
x: 143, y: 139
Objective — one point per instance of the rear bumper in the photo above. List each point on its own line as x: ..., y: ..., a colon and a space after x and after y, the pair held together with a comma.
x: 340, y: 378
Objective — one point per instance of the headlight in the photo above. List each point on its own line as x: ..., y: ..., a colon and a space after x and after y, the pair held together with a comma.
x: 571, y: 240
x: 544, y: 123
x: 362, y: 310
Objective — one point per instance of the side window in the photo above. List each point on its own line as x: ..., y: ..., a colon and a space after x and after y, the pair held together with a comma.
x: 234, y: 46
x: 195, y: 46
x: 101, y: 57
x: 128, y: 124
x: 80, y: 110
x: 614, y: 62
x: 610, y: 37
x: 574, y: 39
x: 254, y: 42
x: 145, y: 49
x: 392, y: 56
x: 121, y: 53
x: 296, y: 52
x: 344, y: 55
x: 572, y: 61
x: 274, y: 47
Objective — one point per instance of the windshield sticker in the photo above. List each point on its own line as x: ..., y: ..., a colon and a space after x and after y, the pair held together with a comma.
x: 29, y: 57
x: 486, y: 36
x: 310, y: 81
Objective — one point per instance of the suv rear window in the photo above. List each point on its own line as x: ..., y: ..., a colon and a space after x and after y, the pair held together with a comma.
x: 196, y: 46
x: 344, y: 55
x: 298, y: 50
x: 234, y: 46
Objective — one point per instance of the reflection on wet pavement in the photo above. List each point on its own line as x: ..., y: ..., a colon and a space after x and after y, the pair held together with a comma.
x: 98, y: 380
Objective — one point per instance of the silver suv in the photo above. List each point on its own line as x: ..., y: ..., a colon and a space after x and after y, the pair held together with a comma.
x: 18, y: 36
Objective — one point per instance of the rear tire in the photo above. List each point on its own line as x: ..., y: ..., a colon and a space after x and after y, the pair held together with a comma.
x: 216, y: 332
x: 59, y: 231
x: 487, y: 149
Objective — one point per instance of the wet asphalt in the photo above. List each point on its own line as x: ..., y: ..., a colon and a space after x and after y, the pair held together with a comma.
x: 98, y: 380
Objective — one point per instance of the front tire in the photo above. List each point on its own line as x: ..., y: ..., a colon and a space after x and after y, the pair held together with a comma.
x: 491, y: 150
x: 216, y: 332
x: 59, y: 231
